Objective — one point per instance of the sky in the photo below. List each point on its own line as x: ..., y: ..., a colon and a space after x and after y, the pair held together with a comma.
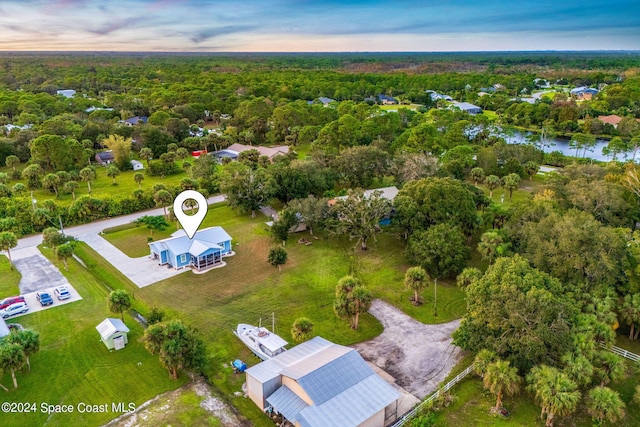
x: 318, y: 25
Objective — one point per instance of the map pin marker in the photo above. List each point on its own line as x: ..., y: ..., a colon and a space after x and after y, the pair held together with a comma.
x: 190, y: 223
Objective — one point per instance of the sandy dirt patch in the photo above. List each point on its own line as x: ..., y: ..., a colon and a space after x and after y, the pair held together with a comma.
x: 160, y: 410
x: 418, y: 356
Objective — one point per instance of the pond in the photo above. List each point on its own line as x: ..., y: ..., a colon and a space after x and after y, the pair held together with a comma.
x: 562, y: 145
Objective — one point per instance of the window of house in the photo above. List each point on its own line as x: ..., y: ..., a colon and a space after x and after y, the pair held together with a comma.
x: 183, y: 258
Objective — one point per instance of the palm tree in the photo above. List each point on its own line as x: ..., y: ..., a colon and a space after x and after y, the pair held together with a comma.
x: 113, y: 172
x: 630, y: 312
x: 476, y: 174
x: 12, y: 162
x: 302, y: 329
x: 28, y: 339
x: 362, y: 298
x: 492, y: 182
x: 609, y: 367
x: 162, y: 198
x: 605, y: 404
x: 489, y: 244
x: 19, y: 189
x: 12, y: 358
x: 88, y: 175
x: 554, y: 392
x: 51, y: 181
x: 578, y: 368
x: 483, y: 359
x: 138, y: 178
x: 8, y: 240
x: 468, y: 276
x: 416, y: 279
x: 146, y: 154
x: 70, y: 187
x: 119, y: 301
x: 501, y: 378
x: 64, y: 252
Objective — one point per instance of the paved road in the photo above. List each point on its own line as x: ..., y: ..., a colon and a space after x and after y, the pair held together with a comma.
x: 37, y: 271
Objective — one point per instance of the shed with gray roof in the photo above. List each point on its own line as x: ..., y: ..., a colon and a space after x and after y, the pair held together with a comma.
x: 319, y: 383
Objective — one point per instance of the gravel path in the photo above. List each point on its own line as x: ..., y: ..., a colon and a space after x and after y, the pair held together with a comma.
x: 418, y: 356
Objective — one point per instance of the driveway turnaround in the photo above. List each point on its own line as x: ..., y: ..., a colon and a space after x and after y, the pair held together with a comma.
x: 418, y: 356
x: 142, y: 271
x: 37, y: 271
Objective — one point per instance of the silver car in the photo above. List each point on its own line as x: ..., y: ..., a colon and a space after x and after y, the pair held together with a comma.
x: 13, y: 309
x: 61, y: 292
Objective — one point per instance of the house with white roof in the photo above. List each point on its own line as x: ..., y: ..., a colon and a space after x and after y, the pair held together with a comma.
x: 319, y: 383
x: 205, y: 250
x: 113, y: 333
x: 67, y: 93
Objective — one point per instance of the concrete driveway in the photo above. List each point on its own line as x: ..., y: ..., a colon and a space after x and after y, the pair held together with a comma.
x: 34, y: 305
x: 37, y: 271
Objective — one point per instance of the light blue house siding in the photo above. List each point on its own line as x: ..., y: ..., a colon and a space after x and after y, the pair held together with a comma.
x: 206, y: 249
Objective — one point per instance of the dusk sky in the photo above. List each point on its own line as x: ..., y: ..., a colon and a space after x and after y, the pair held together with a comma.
x: 319, y: 26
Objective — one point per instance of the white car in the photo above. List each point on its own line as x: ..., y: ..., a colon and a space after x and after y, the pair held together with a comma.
x: 13, y: 309
x: 61, y: 292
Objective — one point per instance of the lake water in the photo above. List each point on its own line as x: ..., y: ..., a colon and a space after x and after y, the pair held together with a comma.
x: 559, y: 144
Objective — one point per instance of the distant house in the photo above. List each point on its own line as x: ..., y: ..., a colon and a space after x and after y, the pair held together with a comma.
x: 612, y: 120
x: 584, y: 93
x: 435, y: 96
x: 113, y: 333
x: 137, y: 165
x: 92, y: 109
x: 386, y: 100
x: 132, y: 121
x: 67, y: 93
x: 236, y: 149
x: 319, y: 384
x: 388, y: 193
x: 323, y: 99
x: 468, y: 108
x: 105, y: 158
x: 205, y: 250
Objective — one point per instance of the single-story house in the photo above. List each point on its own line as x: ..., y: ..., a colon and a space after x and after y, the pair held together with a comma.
x: 612, y: 120
x: 221, y: 154
x: 388, y: 193
x: 319, y: 383
x: 468, y: 108
x: 137, y: 165
x: 386, y: 100
x: 132, y: 121
x: 323, y: 99
x: 584, y: 92
x: 4, y: 329
x: 92, y: 109
x: 67, y: 93
x: 105, y: 157
x: 436, y: 96
x: 205, y: 250
x: 113, y: 333
x: 270, y: 152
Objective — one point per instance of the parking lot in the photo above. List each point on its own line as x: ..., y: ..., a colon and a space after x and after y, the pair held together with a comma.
x: 34, y: 305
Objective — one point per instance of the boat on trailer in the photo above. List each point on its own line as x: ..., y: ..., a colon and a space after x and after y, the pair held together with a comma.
x: 262, y: 342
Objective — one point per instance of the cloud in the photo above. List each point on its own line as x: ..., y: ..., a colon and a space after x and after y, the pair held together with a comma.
x: 116, y: 25
x: 203, y: 35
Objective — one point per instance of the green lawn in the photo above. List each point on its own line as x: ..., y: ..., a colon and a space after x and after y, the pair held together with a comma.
x: 396, y: 107
x: 9, y: 279
x: 471, y: 406
x: 73, y: 366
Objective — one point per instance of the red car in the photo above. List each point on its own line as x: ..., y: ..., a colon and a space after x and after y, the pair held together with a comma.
x: 11, y: 300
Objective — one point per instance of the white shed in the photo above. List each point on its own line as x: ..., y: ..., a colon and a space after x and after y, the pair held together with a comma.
x: 137, y: 165
x: 113, y: 333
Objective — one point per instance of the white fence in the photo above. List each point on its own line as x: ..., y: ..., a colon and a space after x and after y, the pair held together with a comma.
x: 622, y: 352
x: 407, y: 417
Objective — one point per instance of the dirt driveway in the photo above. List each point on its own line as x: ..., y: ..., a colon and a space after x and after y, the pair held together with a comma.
x: 418, y: 356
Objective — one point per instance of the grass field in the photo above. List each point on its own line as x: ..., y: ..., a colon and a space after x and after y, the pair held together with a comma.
x: 102, y: 186
x: 471, y: 406
x: 9, y: 279
x: 73, y: 366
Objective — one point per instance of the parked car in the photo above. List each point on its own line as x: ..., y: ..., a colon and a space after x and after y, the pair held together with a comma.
x: 13, y: 309
x: 44, y: 298
x: 11, y: 300
x: 61, y: 292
